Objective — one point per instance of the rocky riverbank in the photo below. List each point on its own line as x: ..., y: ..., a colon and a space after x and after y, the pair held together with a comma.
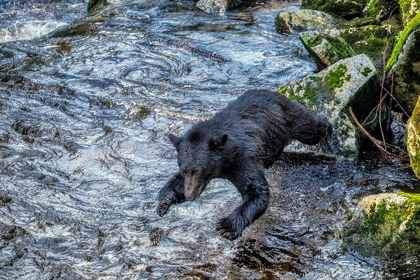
x: 387, y: 33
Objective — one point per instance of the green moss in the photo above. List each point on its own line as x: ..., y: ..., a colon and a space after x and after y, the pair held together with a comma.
x: 413, y: 148
x: 366, y: 71
x: 282, y: 89
x: 340, y: 46
x: 346, y: 9
x: 314, y: 42
x: 389, y: 230
x: 358, y: 22
x: 380, y: 9
x: 405, y: 7
x: 344, y: 128
x: 370, y: 40
x: 415, y: 197
x: 336, y: 78
x: 412, y: 26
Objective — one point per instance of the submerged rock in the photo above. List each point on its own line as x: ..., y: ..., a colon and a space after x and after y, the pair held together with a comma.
x: 386, y: 226
x: 342, y: 8
x: 217, y: 6
x: 324, y: 48
x: 347, y: 83
x: 413, y: 139
x: 404, y: 64
x: 303, y: 20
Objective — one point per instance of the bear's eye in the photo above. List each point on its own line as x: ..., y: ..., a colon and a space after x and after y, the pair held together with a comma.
x: 183, y: 173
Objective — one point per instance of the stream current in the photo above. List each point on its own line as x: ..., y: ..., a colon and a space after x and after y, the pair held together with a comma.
x: 86, y: 105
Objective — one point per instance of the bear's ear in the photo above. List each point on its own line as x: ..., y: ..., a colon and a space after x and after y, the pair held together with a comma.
x: 175, y: 140
x: 218, y: 142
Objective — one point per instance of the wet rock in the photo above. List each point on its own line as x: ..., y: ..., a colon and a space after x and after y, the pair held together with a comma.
x: 303, y: 20
x: 325, y: 49
x: 342, y: 8
x: 93, y: 4
x: 380, y: 9
x: 385, y: 226
x: 347, y: 83
x: 404, y: 64
x: 217, y: 6
x: 413, y: 139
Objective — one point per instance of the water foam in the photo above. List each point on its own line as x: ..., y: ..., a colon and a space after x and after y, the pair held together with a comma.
x: 28, y: 30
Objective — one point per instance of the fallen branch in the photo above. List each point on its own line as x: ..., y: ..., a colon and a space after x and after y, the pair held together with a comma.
x: 390, y: 152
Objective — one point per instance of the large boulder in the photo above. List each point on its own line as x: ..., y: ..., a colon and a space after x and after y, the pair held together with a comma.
x: 404, y: 64
x: 413, y: 139
x: 324, y: 48
x: 343, y: 8
x: 385, y: 226
x: 303, y: 20
x: 347, y: 83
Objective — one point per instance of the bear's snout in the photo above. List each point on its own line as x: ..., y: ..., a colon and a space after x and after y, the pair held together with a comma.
x: 192, y: 187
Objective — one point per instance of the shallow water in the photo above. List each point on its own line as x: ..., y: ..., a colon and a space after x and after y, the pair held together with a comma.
x: 86, y: 105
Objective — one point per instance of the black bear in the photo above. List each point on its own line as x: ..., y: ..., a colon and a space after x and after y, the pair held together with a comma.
x: 235, y: 144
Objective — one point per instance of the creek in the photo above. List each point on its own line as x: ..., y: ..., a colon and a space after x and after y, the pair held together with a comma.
x: 86, y: 105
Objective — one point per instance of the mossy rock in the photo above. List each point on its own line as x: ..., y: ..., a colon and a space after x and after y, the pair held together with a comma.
x: 341, y: 8
x: 93, y: 4
x: 409, y: 9
x: 372, y: 40
x: 218, y: 7
x: 398, y: 48
x: 324, y: 48
x: 303, y: 20
x: 413, y: 139
x: 380, y: 9
x: 347, y: 83
x: 406, y: 69
x: 358, y: 22
x: 385, y: 226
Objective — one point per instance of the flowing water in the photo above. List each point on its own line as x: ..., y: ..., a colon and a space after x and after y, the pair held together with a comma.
x: 86, y: 104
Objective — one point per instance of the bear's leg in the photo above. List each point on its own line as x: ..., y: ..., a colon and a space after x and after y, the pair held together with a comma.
x: 255, y: 196
x: 309, y: 128
x: 171, y: 193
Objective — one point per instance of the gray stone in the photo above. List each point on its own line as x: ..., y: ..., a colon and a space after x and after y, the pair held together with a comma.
x: 325, y: 49
x: 217, y: 7
x: 347, y: 83
x: 303, y: 20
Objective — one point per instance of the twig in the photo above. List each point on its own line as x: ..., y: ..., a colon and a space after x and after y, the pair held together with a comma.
x: 382, y: 146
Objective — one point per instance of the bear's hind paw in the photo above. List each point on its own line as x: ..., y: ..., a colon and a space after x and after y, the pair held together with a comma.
x: 225, y: 229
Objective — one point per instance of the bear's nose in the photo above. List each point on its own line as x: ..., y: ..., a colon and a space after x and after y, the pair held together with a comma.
x: 189, y: 190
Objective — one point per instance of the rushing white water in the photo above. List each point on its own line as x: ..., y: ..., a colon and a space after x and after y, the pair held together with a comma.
x: 28, y: 30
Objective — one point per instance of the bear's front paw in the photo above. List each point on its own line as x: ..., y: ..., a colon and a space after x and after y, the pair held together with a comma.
x: 165, y: 203
x: 228, y: 228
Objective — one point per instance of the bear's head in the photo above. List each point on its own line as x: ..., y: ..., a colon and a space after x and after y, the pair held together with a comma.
x: 199, y: 159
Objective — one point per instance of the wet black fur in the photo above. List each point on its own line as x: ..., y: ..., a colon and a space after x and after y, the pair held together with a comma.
x: 236, y: 144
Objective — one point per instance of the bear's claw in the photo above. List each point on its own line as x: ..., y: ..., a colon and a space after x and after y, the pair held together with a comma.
x: 227, y: 230
x: 165, y: 203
